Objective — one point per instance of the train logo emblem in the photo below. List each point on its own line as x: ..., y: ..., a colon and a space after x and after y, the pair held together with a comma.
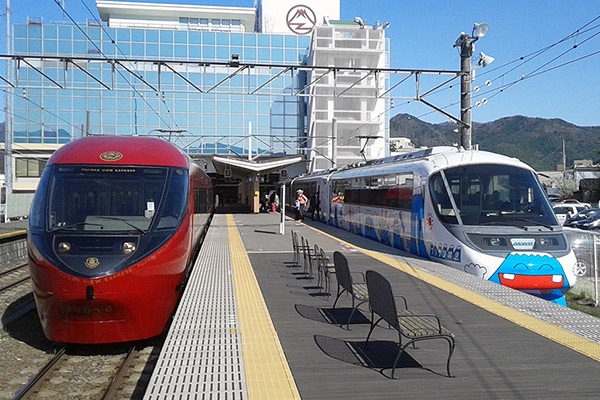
x: 523, y: 244
x: 301, y: 19
x: 111, y: 156
x: 92, y: 262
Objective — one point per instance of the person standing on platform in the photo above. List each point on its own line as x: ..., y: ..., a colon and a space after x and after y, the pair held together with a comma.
x: 301, y: 201
x: 336, y: 204
x: 315, y: 206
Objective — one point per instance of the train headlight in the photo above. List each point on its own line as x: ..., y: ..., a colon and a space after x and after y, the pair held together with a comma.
x: 549, y: 241
x: 494, y: 241
x: 64, y: 247
x: 128, y: 248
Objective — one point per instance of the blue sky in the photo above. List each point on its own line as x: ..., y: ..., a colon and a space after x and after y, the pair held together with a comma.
x: 422, y: 34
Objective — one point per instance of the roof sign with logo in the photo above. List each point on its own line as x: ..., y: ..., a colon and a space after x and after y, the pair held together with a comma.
x: 301, y: 19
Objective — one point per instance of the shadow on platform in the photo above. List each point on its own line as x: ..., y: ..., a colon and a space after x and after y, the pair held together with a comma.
x: 338, y: 316
x: 379, y: 356
x: 233, y: 208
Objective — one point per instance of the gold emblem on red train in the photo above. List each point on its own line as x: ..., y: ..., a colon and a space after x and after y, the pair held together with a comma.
x: 92, y: 262
x: 111, y: 156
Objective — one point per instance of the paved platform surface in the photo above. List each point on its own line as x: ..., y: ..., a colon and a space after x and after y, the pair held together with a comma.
x: 509, y: 345
x: 13, y: 226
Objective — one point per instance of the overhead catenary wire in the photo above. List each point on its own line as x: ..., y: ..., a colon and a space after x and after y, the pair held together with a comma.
x: 57, y: 2
x: 585, y: 29
x: 113, y: 41
x: 495, y: 90
x: 536, y: 71
x: 522, y: 60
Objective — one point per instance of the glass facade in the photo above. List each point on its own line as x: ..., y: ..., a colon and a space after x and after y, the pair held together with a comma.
x: 147, y: 99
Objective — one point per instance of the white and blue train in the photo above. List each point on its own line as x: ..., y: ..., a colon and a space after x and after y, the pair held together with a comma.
x: 476, y: 211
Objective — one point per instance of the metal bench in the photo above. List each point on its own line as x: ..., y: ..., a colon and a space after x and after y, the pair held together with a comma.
x: 298, y: 250
x: 413, y: 326
x: 310, y: 258
x: 325, y: 268
x: 358, y: 291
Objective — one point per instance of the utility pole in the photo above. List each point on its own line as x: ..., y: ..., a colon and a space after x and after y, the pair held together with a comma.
x: 334, y: 135
x: 564, y: 159
x: 466, y: 43
x: 466, y: 52
x: 8, y: 135
x: 249, y: 140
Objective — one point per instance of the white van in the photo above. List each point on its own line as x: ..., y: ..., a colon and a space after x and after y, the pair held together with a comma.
x: 567, y: 210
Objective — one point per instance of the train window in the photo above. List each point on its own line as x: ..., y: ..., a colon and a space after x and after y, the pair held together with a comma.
x: 176, y: 199
x: 391, y: 191
x: 37, y: 215
x: 201, y: 200
x: 390, y: 180
x: 115, y: 198
x: 492, y: 194
x: 441, y: 200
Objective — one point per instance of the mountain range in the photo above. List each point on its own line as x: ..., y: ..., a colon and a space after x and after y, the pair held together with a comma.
x: 535, y: 141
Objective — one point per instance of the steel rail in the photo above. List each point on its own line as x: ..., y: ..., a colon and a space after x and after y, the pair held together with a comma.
x: 110, y: 390
x: 38, y: 378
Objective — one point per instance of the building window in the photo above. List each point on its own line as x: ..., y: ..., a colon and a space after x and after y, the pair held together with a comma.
x: 29, y: 167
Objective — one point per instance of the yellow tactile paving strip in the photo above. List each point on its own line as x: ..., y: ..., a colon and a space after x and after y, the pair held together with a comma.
x: 268, y: 375
x: 13, y: 233
x: 543, y: 328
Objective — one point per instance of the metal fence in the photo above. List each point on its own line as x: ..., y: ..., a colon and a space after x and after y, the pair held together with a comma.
x: 586, y: 245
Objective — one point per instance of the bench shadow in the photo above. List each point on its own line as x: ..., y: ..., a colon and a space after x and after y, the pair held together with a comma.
x: 269, y: 232
x: 379, y: 356
x: 339, y: 316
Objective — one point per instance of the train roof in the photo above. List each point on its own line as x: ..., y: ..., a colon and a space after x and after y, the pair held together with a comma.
x: 121, y: 150
x: 430, y: 159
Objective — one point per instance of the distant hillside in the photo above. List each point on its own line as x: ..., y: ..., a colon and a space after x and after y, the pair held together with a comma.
x: 535, y: 141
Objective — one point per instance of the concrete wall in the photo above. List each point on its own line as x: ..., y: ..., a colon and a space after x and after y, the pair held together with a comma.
x: 18, y: 204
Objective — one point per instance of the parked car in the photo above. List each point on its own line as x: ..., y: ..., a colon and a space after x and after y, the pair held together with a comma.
x: 580, y: 216
x: 575, y: 201
x: 592, y: 223
x: 564, y: 211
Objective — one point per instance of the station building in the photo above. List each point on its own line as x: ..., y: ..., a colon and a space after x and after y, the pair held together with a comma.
x: 174, y: 71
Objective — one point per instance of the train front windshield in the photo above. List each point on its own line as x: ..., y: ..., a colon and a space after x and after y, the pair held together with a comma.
x: 100, y: 198
x: 490, y: 195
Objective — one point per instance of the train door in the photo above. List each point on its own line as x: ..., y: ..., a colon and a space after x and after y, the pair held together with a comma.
x: 417, y: 243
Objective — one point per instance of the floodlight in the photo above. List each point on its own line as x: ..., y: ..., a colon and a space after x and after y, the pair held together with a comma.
x: 359, y: 21
x: 485, y: 60
x: 386, y: 25
x: 480, y: 30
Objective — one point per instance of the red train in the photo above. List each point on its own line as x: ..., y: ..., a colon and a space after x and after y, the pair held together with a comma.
x: 113, y: 228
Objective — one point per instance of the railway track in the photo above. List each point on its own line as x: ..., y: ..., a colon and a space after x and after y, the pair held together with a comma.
x: 115, y: 371
x: 16, y: 298
x: 13, y: 276
x: 71, y: 373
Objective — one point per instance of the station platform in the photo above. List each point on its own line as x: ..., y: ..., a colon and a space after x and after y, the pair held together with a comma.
x: 251, y: 326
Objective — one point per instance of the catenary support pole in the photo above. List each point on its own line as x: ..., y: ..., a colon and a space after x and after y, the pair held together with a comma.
x: 282, y: 210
